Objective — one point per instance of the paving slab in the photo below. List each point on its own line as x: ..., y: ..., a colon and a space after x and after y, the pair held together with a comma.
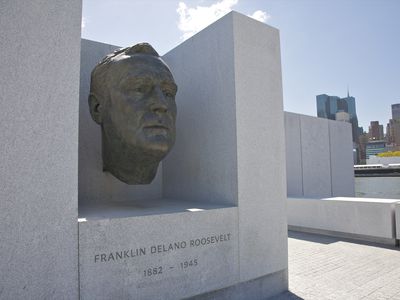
x: 322, y: 267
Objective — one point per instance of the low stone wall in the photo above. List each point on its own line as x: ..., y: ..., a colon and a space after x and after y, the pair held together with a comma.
x: 367, y: 219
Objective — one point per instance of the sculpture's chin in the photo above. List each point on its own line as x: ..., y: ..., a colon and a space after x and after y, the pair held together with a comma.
x: 157, y: 146
x: 158, y: 150
x: 136, y: 176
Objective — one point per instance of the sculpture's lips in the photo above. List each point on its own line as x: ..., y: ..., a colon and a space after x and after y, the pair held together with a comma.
x: 157, y: 126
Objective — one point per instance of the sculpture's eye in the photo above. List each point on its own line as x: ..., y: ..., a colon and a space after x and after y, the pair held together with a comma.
x: 140, y: 89
x: 168, y: 94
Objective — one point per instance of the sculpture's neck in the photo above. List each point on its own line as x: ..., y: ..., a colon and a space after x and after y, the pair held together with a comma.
x: 131, y: 166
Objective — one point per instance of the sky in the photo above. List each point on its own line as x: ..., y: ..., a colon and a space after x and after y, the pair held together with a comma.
x: 327, y: 46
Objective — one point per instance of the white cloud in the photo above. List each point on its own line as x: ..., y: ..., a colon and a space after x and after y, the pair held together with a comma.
x: 259, y: 15
x: 192, y: 20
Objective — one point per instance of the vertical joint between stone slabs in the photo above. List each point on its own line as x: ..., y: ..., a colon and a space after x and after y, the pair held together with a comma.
x: 330, y: 156
x: 301, y: 156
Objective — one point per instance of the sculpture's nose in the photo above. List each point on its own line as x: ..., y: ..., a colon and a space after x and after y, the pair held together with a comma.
x: 159, y: 103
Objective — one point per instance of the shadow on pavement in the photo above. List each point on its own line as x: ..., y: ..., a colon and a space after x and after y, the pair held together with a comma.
x: 327, y: 239
x: 312, y: 237
x: 286, y: 296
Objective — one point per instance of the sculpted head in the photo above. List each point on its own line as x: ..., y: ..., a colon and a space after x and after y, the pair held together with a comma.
x: 132, y: 98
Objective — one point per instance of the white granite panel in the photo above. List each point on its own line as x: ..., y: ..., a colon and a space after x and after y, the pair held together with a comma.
x: 315, y: 157
x: 202, y: 165
x: 341, y: 150
x: 39, y: 90
x: 261, y: 167
x: 294, y: 171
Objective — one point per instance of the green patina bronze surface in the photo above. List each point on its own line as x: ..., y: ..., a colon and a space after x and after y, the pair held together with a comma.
x: 132, y: 97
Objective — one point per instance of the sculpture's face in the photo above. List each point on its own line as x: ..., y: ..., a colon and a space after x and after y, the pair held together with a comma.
x: 141, y: 108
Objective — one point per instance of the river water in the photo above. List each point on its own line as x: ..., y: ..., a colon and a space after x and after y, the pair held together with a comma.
x: 378, y: 187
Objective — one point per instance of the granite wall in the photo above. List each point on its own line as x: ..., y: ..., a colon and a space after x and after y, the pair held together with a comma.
x: 39, y: 91
x: 319, y: 156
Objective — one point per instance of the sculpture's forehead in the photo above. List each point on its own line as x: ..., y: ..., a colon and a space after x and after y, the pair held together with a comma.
x: 140, y: 65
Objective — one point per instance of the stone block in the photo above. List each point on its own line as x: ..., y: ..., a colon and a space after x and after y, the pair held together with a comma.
x: 315, y: 151
x: 261, y: 168
x: 369, y: 217
x: 341, y: 151
x: 159, y: 256
x: 39, y: 45
x: 294, y: 169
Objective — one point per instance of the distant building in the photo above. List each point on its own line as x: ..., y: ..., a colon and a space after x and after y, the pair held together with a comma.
x: 342, y: 116
x: 396, y: 111
x: 331, y: 107
x: 375, y: 147
x: 360, y: 131
x: 363, y: 141
x: 393, y: 128
x: 393, y: 132
x: 375, y: 131
x: 390, y: 132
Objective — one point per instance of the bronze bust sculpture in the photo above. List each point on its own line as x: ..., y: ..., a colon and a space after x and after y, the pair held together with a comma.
x: 132, y: 97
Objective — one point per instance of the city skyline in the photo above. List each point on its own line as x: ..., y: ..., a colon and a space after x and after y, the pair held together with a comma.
x: 336, y: 108
x: 327, y: 46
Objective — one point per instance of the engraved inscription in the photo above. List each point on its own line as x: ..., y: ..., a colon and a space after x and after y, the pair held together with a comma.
x: 153, y: 271
x: 122, y: 255
x: 158, y: 270
x: 188, y: 263
x: 118, y: 255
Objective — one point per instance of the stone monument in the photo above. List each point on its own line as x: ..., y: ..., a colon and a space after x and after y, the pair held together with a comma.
x: 211, y: 225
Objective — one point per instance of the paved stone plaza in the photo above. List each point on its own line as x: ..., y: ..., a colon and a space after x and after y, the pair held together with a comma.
x: 323, y: 267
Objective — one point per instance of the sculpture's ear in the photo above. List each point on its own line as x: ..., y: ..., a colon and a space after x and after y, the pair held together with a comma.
x: 95, y: 108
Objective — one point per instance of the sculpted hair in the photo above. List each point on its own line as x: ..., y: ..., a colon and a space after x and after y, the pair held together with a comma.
x: 98, y: 80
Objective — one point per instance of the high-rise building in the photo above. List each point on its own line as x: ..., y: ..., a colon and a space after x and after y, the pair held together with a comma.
x: 328, y: 107
x: 393, y: 128
x: 363, y: 141
x: 396, y: 133
x: 393, y: 132
x: 396, y: 111
x: 389, y: 132
x: 375, y: 131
